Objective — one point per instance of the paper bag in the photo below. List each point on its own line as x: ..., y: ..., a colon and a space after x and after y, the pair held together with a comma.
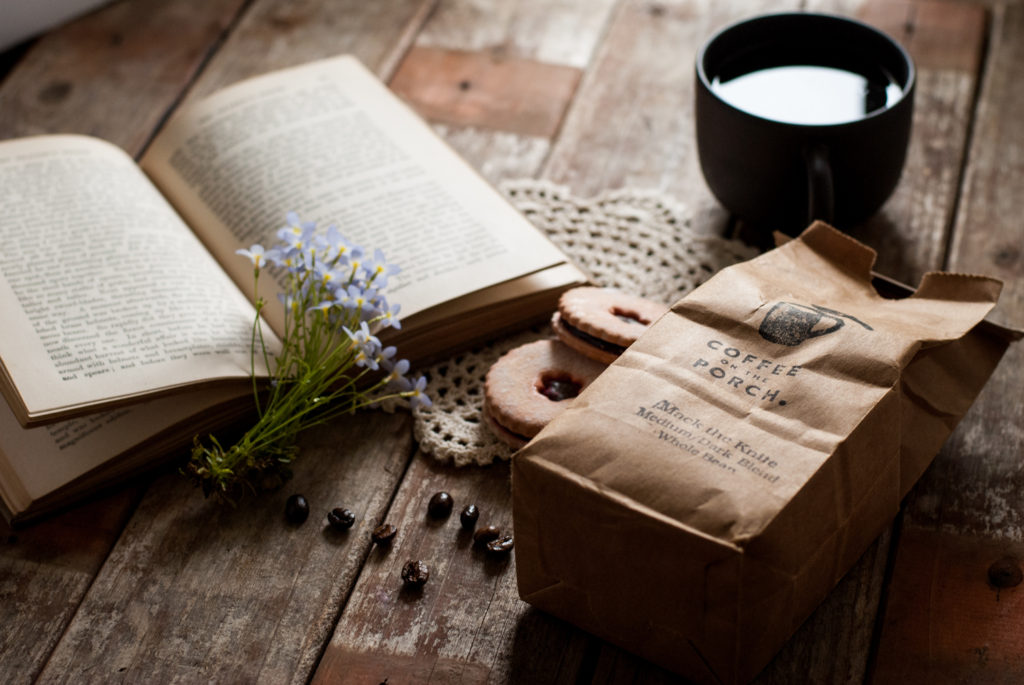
x: 705, y: 493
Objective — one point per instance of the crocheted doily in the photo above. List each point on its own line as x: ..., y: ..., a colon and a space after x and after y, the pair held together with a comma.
x: 637, y: 241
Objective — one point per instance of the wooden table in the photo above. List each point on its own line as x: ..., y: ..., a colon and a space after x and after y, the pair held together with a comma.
x: 155, y: 584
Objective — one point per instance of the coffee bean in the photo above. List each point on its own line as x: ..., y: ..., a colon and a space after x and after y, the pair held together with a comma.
x: 415, y: 574
x: 484, y: 535
x: 469, y: 516
x: 500, y: 546
x: 383, y: 534
x: 296, y: 509
x: 440, y: 505
x: 341, y: 519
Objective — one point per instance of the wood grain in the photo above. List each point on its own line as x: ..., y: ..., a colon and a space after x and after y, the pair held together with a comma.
x: 632, y: 123
x: 115, y: 73
x: 965, y: 516
x: 200, y: 592
x: 990, y: 236
x: 946, y: 622
x: 834, y: 644
x: 467, y: 624
x: 196, y: 593
x: 275, y: 34
x: 549, y: 31
x: 946, y: 40
x: 497, y: 155
x: 148, y: 639
x: 475, y: 89
x: 559, y: 35
x: 45, y: 571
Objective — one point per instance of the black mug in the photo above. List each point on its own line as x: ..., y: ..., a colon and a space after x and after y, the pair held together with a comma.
x: 803, y: 116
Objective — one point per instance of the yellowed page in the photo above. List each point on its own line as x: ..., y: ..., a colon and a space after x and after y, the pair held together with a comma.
x: 36, y: 461
x: 330, y: 142
x: 104, y: 293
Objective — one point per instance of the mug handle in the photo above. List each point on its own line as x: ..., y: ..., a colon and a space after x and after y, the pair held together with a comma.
x: 820, y: 191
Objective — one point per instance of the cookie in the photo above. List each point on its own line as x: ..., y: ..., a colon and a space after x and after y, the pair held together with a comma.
x: 601, y: 322
x: 532, y: 384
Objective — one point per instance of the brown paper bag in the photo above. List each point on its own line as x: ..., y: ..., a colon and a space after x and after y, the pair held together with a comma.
x: 708, y: 490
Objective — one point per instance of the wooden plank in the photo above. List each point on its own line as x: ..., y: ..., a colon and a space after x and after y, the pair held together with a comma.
x: 989, y: 236
x: 955, y: 596
x: 946, y: 40
x: 632, y: 123
x: 467, y: 624
x: 834, y: 644
x: 198, y: 592
x: 475, y: 89
x: 496, y: 36
x: 274, y: 34
x: 44, y: 572
x: 497, y: 155
x: 548, y: 31
x: 115, y: 73
x: 651, y: 145
x: 213, y: 595
x: 379, y: 636
x: 954, y: 611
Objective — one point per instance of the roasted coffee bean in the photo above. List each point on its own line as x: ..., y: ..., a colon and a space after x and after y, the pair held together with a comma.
x: 500, y: 546
x: 415, y: 573
x: 469, y: 516
x: 296, y: 509
x: 440, y: 505
x: 341, y: 519
x: 383, y: 534
x: 484, y: 535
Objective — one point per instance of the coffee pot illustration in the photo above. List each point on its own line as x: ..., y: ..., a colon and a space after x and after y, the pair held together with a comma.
x: 789, y: 323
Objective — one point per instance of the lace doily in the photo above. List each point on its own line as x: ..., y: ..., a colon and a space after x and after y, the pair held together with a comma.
x: 637, y: 241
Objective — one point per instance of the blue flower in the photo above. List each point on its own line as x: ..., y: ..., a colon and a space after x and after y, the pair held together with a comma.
x: 283, y: 256
x: 327, y: 275
x: 377, y: 269
x: 385, y: 356
x: 323, y: 307
x: 396, y: 376
x: 255, y: 255
x: 337, y: 248
x: 389, y: 316
x: 367, y: 346
x: 295, y: 225
x: 296, y: 236
x: 356, y: 299
x: 418, y: 398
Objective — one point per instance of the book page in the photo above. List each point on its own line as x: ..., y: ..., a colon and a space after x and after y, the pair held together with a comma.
x: 37, y: 461
x: 104, y: 292
x: 329, y: 141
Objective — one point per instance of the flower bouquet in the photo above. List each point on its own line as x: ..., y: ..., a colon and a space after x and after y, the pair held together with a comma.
x: 330, y: 360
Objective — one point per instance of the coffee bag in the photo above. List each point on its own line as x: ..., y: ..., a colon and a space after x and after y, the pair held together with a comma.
x: 705, y: 493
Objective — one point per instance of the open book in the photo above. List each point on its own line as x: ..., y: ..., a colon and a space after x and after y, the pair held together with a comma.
x: 128, y: 312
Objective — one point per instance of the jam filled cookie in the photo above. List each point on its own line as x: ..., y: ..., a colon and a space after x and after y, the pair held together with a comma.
x: 601, y: 322
x: 531, y: 385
